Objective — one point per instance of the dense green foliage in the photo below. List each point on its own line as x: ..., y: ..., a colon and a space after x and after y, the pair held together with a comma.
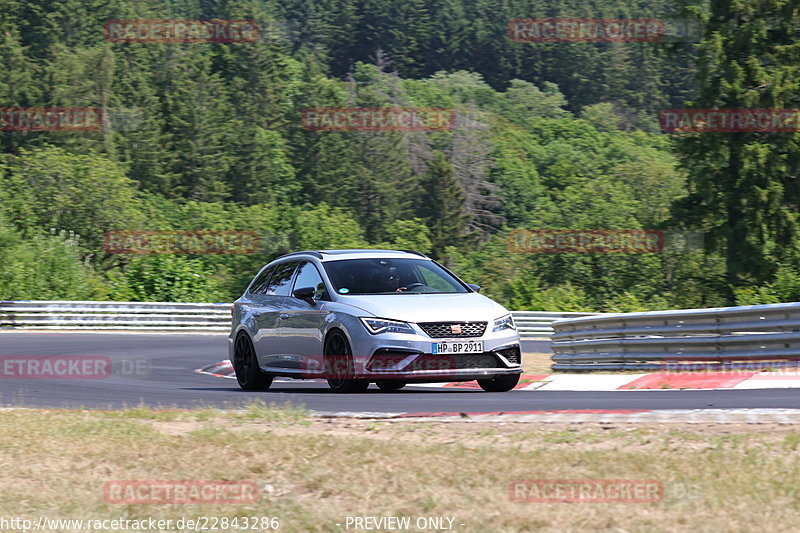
x: 743, y: 187
x: 208, y: 136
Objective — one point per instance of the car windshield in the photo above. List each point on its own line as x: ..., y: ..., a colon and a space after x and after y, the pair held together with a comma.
x: 390, y: 276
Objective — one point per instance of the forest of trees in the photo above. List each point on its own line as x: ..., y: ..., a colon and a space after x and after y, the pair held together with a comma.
x: 208, y: 136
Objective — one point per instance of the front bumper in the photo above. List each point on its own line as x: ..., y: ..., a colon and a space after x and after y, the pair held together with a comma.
x: 409, y: 357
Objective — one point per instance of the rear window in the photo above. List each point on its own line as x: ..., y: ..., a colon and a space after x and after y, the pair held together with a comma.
x: 260, y: 283
x: 390, y: 276
x: 280, y: 283
x: 276, y: 280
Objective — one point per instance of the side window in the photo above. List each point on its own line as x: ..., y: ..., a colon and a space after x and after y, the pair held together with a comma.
x: 259, y: 284
x: 281, y: 279
x: 308, y: 276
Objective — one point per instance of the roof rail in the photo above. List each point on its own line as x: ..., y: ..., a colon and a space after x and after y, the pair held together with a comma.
x: 316, y: 254
x: 414, y: 252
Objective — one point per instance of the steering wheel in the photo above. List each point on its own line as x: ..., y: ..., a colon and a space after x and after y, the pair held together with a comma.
x: 414, y: 285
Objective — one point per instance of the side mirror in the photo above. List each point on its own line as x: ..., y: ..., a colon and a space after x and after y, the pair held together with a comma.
x: 476, y: 288
x: 305, y: 293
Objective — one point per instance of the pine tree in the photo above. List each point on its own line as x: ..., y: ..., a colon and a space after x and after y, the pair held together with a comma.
x: 442, y: 206
x: 743, y: 186
x: 317, y: 155
x: 265, y: 175
x: 199, y: 122
x: 140, y: 139
x: 18, y: 87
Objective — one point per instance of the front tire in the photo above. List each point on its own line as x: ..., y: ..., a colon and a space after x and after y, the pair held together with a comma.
x: 503, y: 383
x: 245, y: 364
x: 339, y: 365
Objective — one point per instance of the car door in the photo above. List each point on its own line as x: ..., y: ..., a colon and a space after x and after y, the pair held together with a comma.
x: 267, y: 311
x: 301, y: 327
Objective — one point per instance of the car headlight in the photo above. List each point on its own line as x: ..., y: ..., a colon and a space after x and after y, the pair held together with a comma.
x: 382, y: 325
x: 504, y: 322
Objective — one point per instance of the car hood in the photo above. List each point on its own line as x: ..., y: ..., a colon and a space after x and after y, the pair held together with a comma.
x: 460, y: 307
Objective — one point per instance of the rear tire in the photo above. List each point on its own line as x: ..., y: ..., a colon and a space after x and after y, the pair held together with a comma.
x: 339, y: 365
x: 388, y: 385
x: 503, y: 383
x: 245, y: 364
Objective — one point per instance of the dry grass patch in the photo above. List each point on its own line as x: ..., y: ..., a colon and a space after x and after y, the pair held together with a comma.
x: 313, y: 473
x: 536, y: 363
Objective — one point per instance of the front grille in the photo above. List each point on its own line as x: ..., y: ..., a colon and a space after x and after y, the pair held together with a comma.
x: 443, y: 329
x: 512, y: 354
x: 455, y: 362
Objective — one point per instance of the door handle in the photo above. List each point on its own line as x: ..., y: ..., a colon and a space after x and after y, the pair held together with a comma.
x: 256, y: 314
x: 284, y: 315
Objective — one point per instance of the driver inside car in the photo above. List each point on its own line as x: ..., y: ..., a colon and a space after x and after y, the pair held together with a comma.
x: 392, y: 281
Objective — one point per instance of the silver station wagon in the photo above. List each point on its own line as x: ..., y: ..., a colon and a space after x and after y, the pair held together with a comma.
x: 356, y: 317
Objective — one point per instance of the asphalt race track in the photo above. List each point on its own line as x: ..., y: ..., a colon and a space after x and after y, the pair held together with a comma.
x: 159, y: 371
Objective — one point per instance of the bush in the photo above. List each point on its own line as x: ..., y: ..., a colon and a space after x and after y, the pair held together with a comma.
x: 526, y: 294
x: 44, y: 267
x: 785, y: 287
x: 166, y: 278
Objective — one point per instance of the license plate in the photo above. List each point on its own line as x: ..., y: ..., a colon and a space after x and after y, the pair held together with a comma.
x: 460, y: 346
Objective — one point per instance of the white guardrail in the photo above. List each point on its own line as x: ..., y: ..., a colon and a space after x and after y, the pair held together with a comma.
x: 78, y: 315
x: 165, y: 316
x: 755, y: 336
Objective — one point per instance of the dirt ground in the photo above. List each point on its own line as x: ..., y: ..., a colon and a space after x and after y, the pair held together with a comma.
x: 316, y: 474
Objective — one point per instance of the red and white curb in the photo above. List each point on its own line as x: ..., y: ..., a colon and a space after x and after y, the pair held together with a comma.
x: 594, y: 416
x: 223, y: 369
x: 609, y: 382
